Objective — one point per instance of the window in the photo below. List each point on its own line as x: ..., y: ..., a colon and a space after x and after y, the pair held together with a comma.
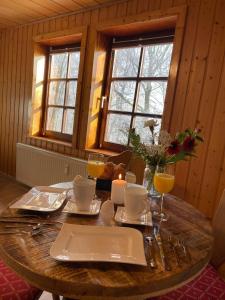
x: 136, y: 87
x: 63, y: 69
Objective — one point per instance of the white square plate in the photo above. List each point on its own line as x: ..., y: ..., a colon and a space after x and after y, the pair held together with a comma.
x: 99, y: 243
x: 121, y: 217
x: 42, y: 198
x: 94, y: 208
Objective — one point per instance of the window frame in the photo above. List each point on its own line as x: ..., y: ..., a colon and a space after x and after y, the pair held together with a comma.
x: 152, y: 39
x: 54, y: 50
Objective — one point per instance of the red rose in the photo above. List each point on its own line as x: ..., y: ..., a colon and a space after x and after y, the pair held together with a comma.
x: 189, y: 144
x: 174, y: 147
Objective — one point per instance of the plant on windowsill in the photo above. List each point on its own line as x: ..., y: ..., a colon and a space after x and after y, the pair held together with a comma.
x: 163, y: 150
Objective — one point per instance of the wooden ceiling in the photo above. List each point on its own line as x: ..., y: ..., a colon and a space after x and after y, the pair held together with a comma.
x: 17, y: 12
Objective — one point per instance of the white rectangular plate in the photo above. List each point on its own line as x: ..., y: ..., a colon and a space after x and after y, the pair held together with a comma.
x: 121, y: 217
x: 94, y: 208
x: 41, y: 198
x: 99, y: 243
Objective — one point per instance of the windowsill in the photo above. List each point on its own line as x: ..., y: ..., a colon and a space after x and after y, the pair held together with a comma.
x: 54, y: 141
x: 105, y: 152
x: 102, y: 151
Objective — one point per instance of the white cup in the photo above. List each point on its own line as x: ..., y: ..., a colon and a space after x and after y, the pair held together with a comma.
x: 84, y: 193
x: 136, y: 201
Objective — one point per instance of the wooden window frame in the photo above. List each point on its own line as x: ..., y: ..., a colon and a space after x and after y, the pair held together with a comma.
x: 53, y: 134
x: 41, y: 43
x: 99, y: 43
x: 153, y: 39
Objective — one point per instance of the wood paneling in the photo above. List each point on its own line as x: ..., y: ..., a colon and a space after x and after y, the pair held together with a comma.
x: 17, y: 12
x: 9, y: 191
x: 199, y: 98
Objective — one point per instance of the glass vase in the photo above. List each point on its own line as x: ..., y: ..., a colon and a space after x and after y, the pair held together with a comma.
x: 148, y: 180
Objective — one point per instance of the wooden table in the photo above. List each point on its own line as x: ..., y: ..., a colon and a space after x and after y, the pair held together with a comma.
x: 30, y: 258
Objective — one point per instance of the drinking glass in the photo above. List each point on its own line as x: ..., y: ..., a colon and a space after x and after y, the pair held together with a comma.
x: 95, y: 165
x: 163, y: 183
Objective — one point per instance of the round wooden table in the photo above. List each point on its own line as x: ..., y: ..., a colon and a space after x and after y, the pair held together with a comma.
x: 29, y: 257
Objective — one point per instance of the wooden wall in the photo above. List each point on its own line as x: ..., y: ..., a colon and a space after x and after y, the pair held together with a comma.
x: 199, y: 98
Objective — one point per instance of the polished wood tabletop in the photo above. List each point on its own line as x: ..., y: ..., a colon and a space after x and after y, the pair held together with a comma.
x: 29, y: 257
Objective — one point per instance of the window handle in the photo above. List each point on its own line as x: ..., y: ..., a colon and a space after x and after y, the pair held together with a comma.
x: 102, y: 100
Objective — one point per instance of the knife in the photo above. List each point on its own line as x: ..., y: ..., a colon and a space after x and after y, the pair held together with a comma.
x: 152, y: 261
x: 158, y: 239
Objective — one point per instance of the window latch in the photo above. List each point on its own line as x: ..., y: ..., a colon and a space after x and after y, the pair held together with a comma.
x: 103, y: 99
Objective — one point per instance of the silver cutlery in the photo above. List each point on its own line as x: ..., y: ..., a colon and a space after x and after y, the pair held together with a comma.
x: 165, y: 263
x: 152, y: 261
x: 33, y: 232
x: 18, y: 226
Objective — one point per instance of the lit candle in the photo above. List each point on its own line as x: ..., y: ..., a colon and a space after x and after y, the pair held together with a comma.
x: 118, y: 188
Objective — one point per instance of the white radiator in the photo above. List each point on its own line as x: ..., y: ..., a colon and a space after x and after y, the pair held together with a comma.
x: 35, y: 166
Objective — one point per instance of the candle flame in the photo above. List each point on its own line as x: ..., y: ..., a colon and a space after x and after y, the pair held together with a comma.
x: 120, y: 176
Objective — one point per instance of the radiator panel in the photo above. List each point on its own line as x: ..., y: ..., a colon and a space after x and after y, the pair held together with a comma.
x: 35, y: 166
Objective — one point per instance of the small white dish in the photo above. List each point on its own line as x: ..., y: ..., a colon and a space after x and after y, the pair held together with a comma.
x: 99, y: 243
x: 94, y: 208
x: 121, y: 217
x: 41, y: 198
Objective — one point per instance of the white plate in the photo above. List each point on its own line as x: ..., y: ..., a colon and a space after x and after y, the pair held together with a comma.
x: 94, y: 208
x: 121, y: 217
x: 41, y: 198
x: 99, y: 243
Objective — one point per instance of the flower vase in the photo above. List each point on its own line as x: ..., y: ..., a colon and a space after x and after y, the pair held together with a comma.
x: 148, y: 180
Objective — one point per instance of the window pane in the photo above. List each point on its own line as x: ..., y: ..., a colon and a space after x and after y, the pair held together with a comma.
x: 56, y: 93
x: 156, y: 60
x: 117, y: 126
x: 59, y: 65
x: 122, y: 95
x: 68, y: 121
x: 74, y: 62
x: 71, y: 93
x: 145, y: 133
x: 126, y: 62
x: 54, y: 119
x: 151, y: 97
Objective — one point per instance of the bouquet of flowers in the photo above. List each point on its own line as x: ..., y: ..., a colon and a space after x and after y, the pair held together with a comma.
x: 163, y: 149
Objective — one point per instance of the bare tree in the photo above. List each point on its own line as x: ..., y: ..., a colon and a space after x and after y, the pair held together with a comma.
x: 151, y: 93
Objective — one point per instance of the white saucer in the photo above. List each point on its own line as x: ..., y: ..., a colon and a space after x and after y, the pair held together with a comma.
x: 121, y: 217
x: 94, y: 208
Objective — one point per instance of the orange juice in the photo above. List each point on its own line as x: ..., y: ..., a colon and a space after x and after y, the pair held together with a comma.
x: 95, y: 168
x: 163, y: 182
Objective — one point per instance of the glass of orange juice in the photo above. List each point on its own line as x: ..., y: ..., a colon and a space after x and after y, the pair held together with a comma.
x: 163, y: 183
x: 95, y: 165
